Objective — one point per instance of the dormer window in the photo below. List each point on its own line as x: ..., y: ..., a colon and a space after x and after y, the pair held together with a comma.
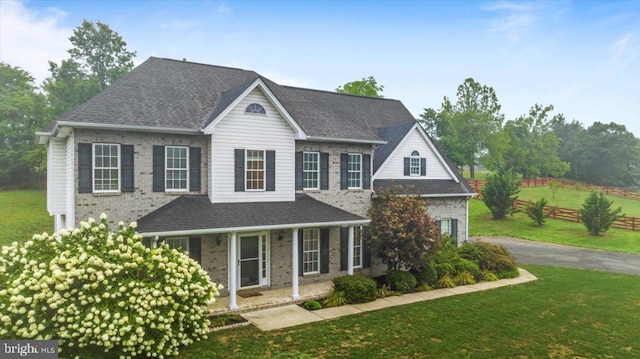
x: 255, y: 108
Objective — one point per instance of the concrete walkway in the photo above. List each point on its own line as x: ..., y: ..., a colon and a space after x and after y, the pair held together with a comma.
x: 557, y: 255
x: 292, y: 315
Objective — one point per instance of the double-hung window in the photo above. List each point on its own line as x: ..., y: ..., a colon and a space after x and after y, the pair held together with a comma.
x: 445, y: 226
x: 176, y: 168
x: 311, y: 170
x: 254, y: 170
x: 357, y: 247
x: 354, y: 175
x: 106, y: 167
x: 178, y: 243
x: 311, y: 251
x: 414, y: 165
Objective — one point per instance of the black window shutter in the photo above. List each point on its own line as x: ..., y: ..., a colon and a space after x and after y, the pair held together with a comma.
x: 344, y: 170
x: 423, y: 166
x: 195, y: 249
x: 324, y: 250
x: 299, y: 170
x: 239, y: 170
x: 407, y: 166
x: 439, y: 223
x: 194, y: 169
x: 366, y: 171
x: 126, y: 173
x: 271, y: 171
x: 324, y: 170
x: 158, y: 168
x: 366, y: 252
x: 454, y: 228
x: 85, y: 164
x: 344, y: 248
x: 300, y: 253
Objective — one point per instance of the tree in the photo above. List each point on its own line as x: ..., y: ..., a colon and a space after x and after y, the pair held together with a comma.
x: 98, y: 58
x: 366, y: 87
x: 500, y: 193
x: 597, y: 215
x: 21, y: 115
x: 530, y: 146
x: 537, y: 212
x: 572, y: 145
x: 465, y: 129
x: 401, y: 230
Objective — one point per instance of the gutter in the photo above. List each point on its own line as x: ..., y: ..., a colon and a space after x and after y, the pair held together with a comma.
x: 193, y: 232
x: 346, y: 140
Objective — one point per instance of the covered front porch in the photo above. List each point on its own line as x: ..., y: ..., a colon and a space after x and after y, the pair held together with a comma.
x: 268, y: 298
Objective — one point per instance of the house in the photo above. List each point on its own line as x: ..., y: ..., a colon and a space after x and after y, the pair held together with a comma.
x: 265, y: 185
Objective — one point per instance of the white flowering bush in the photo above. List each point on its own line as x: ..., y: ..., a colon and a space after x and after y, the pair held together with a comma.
x: 99, y: 292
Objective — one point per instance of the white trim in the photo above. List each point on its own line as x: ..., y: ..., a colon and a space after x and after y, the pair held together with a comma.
x: 262, y: 237
x: 417, y: 126
x: 295, y: 294
x: 468, y: 195
x: 305, y: 238
x: 346, y: 140
x: 361, y: 252
x: 317, y: 187
x: 233, y: 270
x: 264, y: 171
x: 349, y: 171
x: 273, y: 227
x: 166, y: 168
x: 93, y: 168
x: 209, y: 129
x: 350, y: 251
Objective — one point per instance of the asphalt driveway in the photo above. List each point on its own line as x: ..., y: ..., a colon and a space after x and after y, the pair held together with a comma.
x: 531, y: 252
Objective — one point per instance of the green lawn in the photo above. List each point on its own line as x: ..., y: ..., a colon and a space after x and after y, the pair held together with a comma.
x: 571, y: 198
x: 567, y: 313
x: 553, y: 231
x: 23, y: 213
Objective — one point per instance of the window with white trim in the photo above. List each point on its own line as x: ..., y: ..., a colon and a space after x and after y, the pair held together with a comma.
x: 178, y: 243
x: 311, y: 251
x: 445, y: 226
x: 354, y: 174
x: 254, y: 170
x: 310, y: 170
x: 176, y: 168
x: 255, y: 108
x: 414, y: 164
x: 357, y: 247
x: 106, y: 167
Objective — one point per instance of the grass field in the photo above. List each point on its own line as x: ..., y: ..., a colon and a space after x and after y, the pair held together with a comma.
x: 553, y: 231
x: 567, y: 313
x: 23, y: 213
x: 571, y: 198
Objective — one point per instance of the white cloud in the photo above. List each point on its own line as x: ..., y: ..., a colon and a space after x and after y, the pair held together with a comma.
x: 626, y: 49
x: 515, y: 20
x: 28, y: 38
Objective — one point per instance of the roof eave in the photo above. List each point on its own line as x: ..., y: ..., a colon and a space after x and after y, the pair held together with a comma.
x: 345, y: 140
x: 106, y: 126
x: 194, y: 232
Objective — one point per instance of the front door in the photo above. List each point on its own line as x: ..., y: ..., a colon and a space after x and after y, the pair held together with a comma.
x: 252, y: 261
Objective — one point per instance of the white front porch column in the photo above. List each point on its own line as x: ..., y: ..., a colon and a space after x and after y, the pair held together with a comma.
x: 350, y: 252
x: 233, y: 271
x: 294, y: 264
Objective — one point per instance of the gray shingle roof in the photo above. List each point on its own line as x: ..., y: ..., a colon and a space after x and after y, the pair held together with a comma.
x: 185, y: 95
x: 424, y: 187
x: 196, y: 212
x: 393, y: 135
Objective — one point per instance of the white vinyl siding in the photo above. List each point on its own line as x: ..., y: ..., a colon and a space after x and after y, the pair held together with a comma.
x: 240, y: 130
x: 176, y: 168
x: 414, y: 141
x: 56, y: 176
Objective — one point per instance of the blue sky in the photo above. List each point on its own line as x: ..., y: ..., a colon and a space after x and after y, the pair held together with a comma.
x: 583, y: 57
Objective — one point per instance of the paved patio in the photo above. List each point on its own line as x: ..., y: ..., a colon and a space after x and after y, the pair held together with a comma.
x: 269, y: 298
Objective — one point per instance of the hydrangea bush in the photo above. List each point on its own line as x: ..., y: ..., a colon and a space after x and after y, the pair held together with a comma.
x: 97, y: 291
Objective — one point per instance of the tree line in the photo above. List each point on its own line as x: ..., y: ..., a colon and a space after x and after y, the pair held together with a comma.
x: 98, y: 57
x: 471, y: 129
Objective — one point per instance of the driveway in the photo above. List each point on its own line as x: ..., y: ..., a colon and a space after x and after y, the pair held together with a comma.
x: 531, y: 252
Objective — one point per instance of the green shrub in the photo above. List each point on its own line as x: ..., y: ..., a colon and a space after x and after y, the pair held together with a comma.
x: 425, y: 274
x: 385, y: 291
x: 464, y: 278
x: 500, y: 193
x: 494, y: 258
x: 446, y: 282
x: 489, y: 276
x: 597, y: 215
x: 423, y: 287
x: 312, y: 305
x: 335, y: 299
x: 462, y: 265
x: 536, y: 211
x: 356, y: 288
x: 401, y: 281
x: 96, y: 291
x: 508, y: 273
